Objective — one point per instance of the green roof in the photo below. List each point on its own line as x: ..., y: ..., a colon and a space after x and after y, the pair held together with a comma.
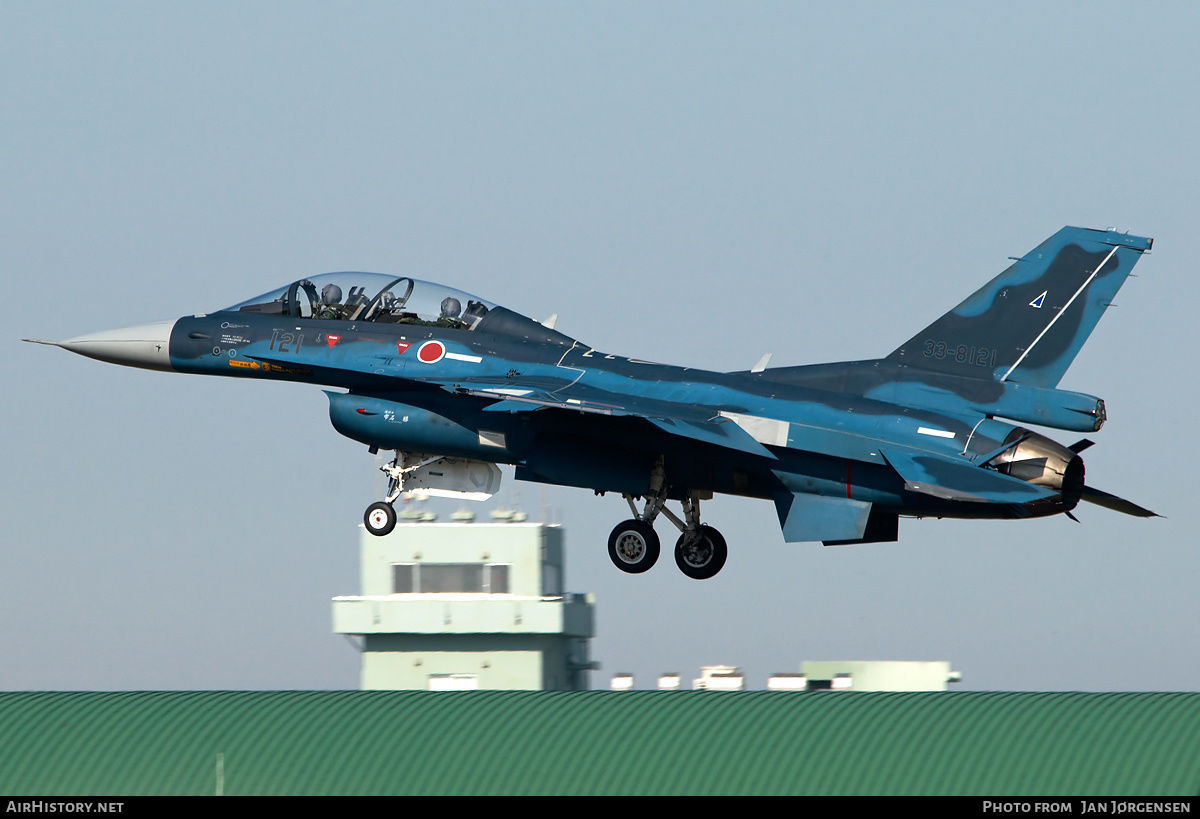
x: 640, y: 742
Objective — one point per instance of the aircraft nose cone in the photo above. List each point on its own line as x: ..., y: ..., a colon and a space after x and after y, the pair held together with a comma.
x: 146, y: 346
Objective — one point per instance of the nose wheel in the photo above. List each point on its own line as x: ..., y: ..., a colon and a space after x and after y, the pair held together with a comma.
x: 380, y: 519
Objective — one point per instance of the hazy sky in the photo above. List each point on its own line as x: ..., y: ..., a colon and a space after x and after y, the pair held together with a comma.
x: 689, y: 182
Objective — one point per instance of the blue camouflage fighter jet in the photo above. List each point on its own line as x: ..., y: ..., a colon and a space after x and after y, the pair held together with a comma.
x: 455, y: 384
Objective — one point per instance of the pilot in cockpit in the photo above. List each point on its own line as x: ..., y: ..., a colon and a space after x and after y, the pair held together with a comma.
x: 451, y: 307
x: 330, y: 305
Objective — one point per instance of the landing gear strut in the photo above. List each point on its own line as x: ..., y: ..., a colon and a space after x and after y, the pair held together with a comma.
x: 633, y: 545
x: 380, y: 518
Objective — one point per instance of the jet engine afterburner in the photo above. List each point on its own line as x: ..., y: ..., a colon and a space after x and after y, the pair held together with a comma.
x: 1038, y: 460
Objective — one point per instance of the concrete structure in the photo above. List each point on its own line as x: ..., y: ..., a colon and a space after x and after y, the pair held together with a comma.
x: 787, y: 682
x: 879, y: 676
x: 460, y: 606
x: 668, y: 682
x: 719, y: 678
x: 825, y: 676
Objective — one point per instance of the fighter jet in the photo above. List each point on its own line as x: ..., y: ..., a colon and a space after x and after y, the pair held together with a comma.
x: 455, y: 384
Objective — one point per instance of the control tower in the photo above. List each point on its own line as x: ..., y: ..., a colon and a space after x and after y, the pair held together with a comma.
x: 462, y: 606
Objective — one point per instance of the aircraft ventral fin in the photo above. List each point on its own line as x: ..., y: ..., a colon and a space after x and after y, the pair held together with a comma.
x: 954, y: 479
x: 804, y: 517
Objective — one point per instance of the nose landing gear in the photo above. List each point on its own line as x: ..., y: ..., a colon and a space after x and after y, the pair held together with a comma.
x: 380, y: 518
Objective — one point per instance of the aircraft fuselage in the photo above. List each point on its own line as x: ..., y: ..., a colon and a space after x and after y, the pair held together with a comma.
x: 456, y: 384
x: 826, y: 443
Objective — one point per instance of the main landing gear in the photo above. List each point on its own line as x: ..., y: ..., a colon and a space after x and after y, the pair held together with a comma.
x: 380, y: 518
x: 633, y: 545
x: 701, y: 552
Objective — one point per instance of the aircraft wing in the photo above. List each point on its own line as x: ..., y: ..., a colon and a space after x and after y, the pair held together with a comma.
x: 529, y: 400
x: 683, y: 420
x: 531, y: 396
x: 720, y: 431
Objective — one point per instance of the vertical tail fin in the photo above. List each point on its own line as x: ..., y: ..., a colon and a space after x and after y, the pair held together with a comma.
x: 1028, y: 324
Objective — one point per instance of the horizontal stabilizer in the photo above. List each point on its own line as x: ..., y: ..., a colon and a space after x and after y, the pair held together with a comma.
x: 960, y: 480
x: 805, y: 517
x: 1116, y: 504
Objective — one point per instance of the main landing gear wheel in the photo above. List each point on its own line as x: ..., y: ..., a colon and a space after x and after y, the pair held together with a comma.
x: 380, y: 519
x: 633, y: 546
x: 701, y: 554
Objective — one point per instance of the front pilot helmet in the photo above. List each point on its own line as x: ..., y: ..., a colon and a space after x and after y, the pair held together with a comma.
x: 331, y: 294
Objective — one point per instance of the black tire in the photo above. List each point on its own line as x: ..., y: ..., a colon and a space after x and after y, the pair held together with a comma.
x: 633, y: 546
x: 380, y: 519
x: 704, y: 556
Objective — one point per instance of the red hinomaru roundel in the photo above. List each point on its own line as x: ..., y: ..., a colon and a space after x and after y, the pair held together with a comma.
x: 431, y: 352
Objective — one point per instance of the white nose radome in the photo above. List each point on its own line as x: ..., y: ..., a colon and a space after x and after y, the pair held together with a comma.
x: 146, y: 346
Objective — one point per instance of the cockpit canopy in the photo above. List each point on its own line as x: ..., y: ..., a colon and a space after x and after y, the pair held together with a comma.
x: 371, y: 297
x: 383, y: 299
